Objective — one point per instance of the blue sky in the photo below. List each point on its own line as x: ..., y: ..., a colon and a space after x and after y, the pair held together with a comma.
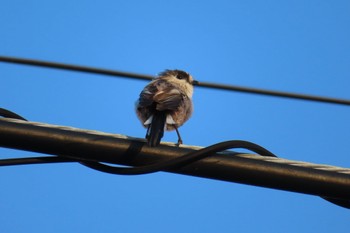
x: 294, y: 46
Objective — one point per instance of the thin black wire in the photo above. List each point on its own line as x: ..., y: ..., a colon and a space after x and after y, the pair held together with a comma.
x: 35, y: 160
x: 84, y: 69
x: 181, y: 161
x: 115, y: 73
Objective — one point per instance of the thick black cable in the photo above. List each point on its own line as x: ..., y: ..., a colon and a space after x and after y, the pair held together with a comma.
x: 168, y: 164
x: 192, y: 157
x: 160, y: 166
x: 115, y: 73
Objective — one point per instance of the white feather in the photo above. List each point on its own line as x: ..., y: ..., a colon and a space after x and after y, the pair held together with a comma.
x: 170, y: 120
x: 148, y: 121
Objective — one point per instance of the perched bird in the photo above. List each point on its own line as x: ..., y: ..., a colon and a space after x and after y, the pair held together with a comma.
x: 165, y: 104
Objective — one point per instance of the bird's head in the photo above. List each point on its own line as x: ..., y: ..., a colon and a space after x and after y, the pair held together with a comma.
x: 180, y: 79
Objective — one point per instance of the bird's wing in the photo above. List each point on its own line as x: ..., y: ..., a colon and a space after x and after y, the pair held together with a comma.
x: 160, y: 92
x: 168, y: 99
x: 146, y: 96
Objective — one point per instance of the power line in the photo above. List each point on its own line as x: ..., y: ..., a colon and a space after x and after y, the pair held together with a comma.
x: 71, y: 144
x: 84, y: 69
x: 276, y: 93
x: 115, y: 73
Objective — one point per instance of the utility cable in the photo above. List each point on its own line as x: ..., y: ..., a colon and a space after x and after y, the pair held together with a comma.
x: 168, y: 164
x: 115, y: 73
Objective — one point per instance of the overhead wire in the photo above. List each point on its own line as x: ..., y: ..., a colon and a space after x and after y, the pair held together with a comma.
x: 177, y: 162
x: 168, y: 164
x: 144, y: 77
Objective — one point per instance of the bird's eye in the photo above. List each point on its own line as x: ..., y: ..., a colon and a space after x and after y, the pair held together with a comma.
x: 181, y: 76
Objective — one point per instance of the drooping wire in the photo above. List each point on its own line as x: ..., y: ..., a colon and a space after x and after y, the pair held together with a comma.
x: 181, y: 161
x: 115, y: 73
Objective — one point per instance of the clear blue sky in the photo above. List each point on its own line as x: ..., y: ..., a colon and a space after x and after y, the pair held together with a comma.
x: 294, y: 46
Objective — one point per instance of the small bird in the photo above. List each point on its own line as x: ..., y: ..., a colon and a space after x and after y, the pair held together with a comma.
x: 165, y: 104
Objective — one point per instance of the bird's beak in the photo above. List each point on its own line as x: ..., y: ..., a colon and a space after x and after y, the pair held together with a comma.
x: 195, y: 82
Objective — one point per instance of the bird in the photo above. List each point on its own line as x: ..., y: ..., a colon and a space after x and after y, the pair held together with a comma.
x: 165, y: 104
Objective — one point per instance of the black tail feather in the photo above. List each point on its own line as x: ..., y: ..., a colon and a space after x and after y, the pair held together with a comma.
x: 156, y: 130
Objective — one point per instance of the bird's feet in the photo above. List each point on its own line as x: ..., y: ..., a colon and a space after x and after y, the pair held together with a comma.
x: 179, y: 142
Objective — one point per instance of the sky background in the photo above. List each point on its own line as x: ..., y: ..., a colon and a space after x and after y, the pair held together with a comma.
x: 293, y: 46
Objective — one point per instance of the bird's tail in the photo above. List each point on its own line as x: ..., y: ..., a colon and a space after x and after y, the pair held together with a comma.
x: 156, y: 130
